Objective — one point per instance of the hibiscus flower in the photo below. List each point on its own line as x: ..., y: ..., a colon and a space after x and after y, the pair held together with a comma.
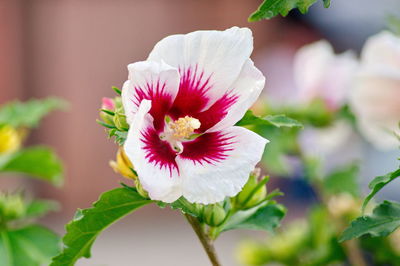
x: 375, y: 97
x: 182, y: 105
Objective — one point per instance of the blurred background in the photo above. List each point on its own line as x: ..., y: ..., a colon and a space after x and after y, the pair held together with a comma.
x: 77, y: 50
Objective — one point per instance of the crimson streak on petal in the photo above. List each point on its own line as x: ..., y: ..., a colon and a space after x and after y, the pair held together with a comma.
x: 192, y: 95
x: 158, y: 152
x: 208, y: 148
x: 216, y: 112
x: 161, y: 101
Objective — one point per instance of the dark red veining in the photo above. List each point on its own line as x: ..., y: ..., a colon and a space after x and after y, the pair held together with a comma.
x: 192, y: 95
x: 209, y: 148
x: 161, y: 101
x: 157, y: 151
x: 191, y: 100
x: 216, y: 112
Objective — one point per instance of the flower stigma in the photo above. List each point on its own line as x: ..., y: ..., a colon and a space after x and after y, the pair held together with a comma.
x: 179, y: 130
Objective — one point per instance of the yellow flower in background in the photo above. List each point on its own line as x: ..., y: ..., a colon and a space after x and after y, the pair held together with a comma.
x: 123, y: 165
x: 10, y: 139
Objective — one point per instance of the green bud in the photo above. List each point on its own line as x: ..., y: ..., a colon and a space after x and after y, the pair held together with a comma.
x: 118, y: 103
x: 120, y: 120
x: 214, y: 214
x: 252, y: 193
x: 12, y: 206
x: 108, y: 119
x: 258, y: 196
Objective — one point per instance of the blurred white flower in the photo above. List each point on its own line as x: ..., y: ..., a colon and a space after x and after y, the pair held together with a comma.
x: 375, y: 98
x: 320, y: 74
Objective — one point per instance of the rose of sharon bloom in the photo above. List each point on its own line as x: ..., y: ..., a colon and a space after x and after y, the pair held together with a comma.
x: 182, y: 104
x: 375, y: 98
x: 320, y: 74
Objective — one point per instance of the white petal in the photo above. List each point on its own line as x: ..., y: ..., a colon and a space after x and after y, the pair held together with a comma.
x: 382, y: 49
x: 310, y: 65
x: 375, y: 100
x: 218, y: 55
x: 153, y: 81
x: 211, y: 182
x: 160, y: 182
x: 319, y: 73
x: 247, y: 88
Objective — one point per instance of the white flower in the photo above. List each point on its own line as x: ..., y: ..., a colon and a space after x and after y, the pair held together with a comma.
x: 320, y: 74
x: 375, y: 98
x: 182, y: 104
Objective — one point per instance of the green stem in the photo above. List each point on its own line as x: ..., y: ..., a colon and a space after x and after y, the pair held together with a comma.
x: 204, y: 239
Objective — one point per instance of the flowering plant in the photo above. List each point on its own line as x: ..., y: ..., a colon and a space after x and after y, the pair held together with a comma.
x: 186, y: 140
x: 179, y: 122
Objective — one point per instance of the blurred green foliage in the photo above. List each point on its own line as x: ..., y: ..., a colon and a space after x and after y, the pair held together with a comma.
x: 28, y: 114
x: 22, y: 241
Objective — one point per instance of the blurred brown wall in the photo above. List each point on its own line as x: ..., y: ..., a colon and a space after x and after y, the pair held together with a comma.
x: 77, y: 50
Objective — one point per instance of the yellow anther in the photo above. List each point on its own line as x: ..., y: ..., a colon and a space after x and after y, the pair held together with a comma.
x: 184, y: 127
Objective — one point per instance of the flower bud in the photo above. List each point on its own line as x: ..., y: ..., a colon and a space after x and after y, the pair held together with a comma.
x: 214, y: 214
x: 120, y: 119
x: 123, y: 166
x: 107, y: 109
x: 251, y: 194
x: 11, y: 206
x: 108, y: 104
x: 10, y: 139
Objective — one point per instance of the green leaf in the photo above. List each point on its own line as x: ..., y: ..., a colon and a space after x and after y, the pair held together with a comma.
x: 28, y: 114
x: 87, y: 224
x: 117, y: 90
x: 39, y: 208
x: 271, y: 8
x: 377, y: 184
x: 40, y: 162
x: 274, y: 120
x: 282, y: 121
x: 32, y: 245
x: 120, y: 136
x: 384, y: 219
x: 343, y: 181
x: 264, y: 217
x: 107, y: 112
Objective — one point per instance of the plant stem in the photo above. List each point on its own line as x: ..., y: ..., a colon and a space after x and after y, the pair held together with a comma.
x: 204, y: 239
x: 354, y: 253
